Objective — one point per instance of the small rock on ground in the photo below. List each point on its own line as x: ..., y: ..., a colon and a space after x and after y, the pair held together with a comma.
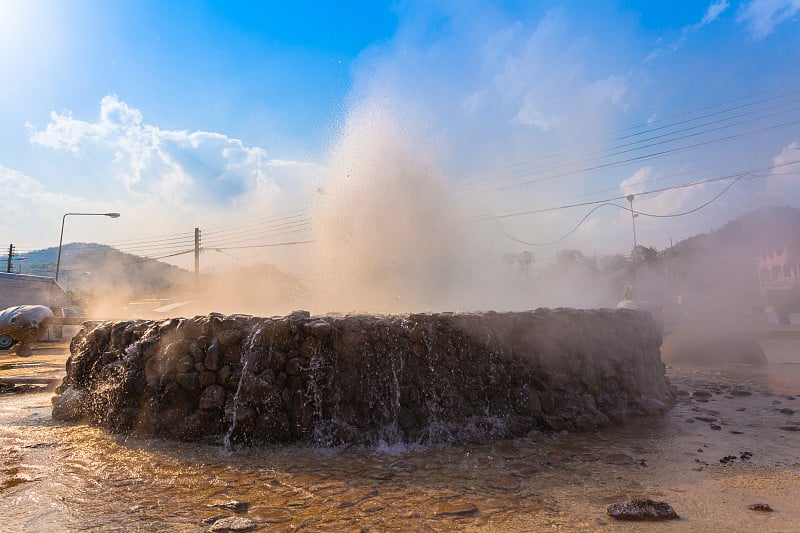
x: 232, y: 524
x: 233, y: 505
x: 642, y: 509
x: 762, y: 507
x: 456, y: 510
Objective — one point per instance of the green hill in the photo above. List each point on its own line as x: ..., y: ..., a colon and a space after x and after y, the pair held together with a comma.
x: 725, y: 259
x: 98, y: 269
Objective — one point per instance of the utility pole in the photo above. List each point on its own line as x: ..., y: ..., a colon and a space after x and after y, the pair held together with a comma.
x: 630, y: 198
x: 10, y: 253
x: 197, y: 258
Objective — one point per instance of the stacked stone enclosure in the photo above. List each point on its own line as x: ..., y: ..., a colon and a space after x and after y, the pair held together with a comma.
x: 363, y: 380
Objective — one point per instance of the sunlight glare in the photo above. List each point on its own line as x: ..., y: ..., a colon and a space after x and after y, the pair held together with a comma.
x: 26, y: 29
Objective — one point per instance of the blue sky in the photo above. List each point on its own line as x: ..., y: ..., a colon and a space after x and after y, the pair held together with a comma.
x: 223, y: 114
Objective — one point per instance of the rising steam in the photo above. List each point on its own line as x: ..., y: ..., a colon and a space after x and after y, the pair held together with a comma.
x: 385, y: 228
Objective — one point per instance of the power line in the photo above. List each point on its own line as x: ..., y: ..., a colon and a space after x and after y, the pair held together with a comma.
x: 633, y: 211
x: 690, y: 135
x: 162, y: 247
x: 167, y: 238
x: 258, y: 237
x: 256, y: 222
x: 645, y: 181
x: 134, y: 262
x: 579, y: 224
x: 696, y: 209
x: 655, y: 191
x: 651, y: 155
x: 157, y: 250
x: 263, y: 245
x: 734, y: 108
x: 540, y: 169
x: 257, y: 232
x: 579, y: 148
x: 570, y: 232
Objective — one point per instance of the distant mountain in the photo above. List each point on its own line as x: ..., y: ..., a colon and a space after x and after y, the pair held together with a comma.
x: 111, y: 283
x: 722, y: 263
x: 756, y: 231
x: 98, y: 268
x: 715, y: 269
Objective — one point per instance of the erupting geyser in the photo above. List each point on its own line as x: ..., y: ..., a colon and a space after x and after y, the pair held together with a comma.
x: 365, y: 379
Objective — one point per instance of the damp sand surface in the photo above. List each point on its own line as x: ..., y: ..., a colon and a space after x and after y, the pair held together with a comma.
x: 56, y: 477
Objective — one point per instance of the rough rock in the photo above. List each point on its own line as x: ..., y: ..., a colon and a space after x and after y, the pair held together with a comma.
x: 232, y: 524
x: 70, y: 404
x: 233, y: 505
x: 361, y: 379
x: 761, y: 507
x: 642, y: 510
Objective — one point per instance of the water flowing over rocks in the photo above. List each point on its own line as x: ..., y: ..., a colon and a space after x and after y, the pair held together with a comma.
x: 364, y: 380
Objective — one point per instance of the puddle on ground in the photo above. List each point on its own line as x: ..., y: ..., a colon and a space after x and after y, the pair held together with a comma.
x: 64, y: 478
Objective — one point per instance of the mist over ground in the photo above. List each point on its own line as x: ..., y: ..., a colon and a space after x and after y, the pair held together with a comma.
x: 370, y: 259
x: 462, y: 156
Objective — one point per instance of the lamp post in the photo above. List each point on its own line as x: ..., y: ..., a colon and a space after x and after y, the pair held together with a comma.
x: 630, y: 198
x: 61, y: 239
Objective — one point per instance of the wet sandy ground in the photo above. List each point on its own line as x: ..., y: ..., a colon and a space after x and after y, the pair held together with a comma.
x: 66, y: 478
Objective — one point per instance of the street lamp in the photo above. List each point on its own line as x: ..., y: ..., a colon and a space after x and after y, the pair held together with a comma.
x: 630, y: 198
x: 61, y: 239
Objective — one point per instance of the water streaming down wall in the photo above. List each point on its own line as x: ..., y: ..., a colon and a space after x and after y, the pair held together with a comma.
x: 361, y: 379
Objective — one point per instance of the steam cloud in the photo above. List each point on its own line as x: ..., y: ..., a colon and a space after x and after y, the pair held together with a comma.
x: 386, y: 231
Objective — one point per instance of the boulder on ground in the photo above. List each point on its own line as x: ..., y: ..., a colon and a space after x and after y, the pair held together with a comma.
x: 362, y: 379
x: 642, y: 509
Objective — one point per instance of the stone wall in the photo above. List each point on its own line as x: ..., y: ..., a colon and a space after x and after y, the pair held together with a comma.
x: 365, y: 379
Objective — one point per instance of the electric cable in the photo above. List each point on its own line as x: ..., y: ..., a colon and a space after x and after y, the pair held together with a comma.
x: 132, y: 262
x: 306, y: 223
x: 255, y: 222
x: 654, y: 191
x: 652, y: 155
x: 167, y: 238
x: 475, y: 183
x: 570, y: 232
x: 630, y: 209
x: 264, y: 245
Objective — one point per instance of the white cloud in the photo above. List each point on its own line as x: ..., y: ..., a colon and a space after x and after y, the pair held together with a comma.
x: 785, y: 179
x: 788, y: 161
x: 664, y: 203
x: 531, y: 114
x: 611, y: 90
x: 541, y: 71
x: 514, y: 107
x: 495, y: 81
x: 546, y: 74
x: 486, y: 99
x: 170, y: 166
x: 25, y: 199
x: 762, y: 16
x: 713, y: 12
x: 473, y: 102
x: 19, y: 188
x: 160, y: 180
x: 629, y: 185
x: 15, y: 183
